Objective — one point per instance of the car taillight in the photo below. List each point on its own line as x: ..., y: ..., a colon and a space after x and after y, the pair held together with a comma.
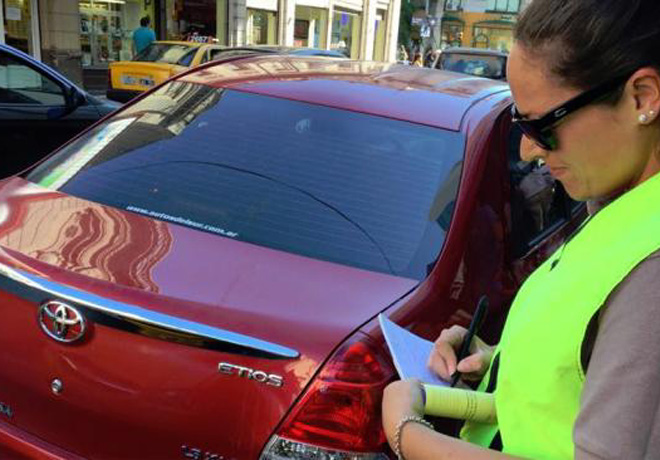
x: 339, y: 416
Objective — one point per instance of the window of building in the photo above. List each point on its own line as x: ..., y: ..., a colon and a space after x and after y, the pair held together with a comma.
x: 346, y: 28
x: 453, y: 5
x: 261, y: 27
x: 18, y: 23
x: 504, y: 6
x: 311, y: 27
x: 202, y: 19
x: 106, y: 30
x: 379, y: 35
x: 493, y: 37
x: 452, y: 34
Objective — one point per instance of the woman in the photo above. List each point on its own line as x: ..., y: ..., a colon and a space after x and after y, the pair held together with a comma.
x: 577, y: 371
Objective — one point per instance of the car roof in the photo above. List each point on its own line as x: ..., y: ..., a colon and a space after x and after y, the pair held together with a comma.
x: 479, y: 51
x: 425, y: 96
x: 179, y: 42
x: 283, y: 50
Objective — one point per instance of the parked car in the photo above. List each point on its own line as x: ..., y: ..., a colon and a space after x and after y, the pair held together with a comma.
x: 39, y: 110
x: 199, y: 275
x: 473, y: 61
x: 155, y: 64
x: 275, y: 49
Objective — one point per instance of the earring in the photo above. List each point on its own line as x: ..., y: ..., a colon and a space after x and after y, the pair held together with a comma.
x: 651, y: 113
x: 643, y: 118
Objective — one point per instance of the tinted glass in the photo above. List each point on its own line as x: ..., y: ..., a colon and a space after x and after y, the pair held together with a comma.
x: 335, y: 185
x: 481, y: 66
x: 167, y: 53
x: 21, y: 84
x: 538, y: 201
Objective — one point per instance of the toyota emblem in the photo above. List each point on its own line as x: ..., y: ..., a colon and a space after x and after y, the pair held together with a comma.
x: 62, y: 322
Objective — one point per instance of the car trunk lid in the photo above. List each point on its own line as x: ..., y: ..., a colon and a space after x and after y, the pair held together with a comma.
x: 188, y: 333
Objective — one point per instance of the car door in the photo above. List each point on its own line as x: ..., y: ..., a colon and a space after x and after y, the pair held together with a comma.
x: 35, y: 115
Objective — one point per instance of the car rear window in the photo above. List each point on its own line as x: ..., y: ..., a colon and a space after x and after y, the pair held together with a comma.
x: 472, y: 64
x: 351, y: 188
x: 168, y: 53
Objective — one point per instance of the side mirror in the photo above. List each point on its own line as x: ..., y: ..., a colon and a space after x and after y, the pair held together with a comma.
x: 74, y: 98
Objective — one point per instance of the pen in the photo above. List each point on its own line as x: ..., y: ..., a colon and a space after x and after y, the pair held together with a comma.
x: 475, y: 324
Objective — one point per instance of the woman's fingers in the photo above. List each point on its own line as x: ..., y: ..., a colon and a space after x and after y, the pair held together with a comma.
x: 443, y: 357
x: 474, y: 366
x: 439, y: 365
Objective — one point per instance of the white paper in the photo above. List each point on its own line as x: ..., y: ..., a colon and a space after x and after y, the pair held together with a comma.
x: 410, y: 352
x: 13, y: 13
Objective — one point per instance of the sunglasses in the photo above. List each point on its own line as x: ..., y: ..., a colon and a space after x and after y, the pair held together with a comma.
x: 542, y: 130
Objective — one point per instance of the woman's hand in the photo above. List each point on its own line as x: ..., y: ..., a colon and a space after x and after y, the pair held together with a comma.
x: 401, y: 399
x: 443, y: 357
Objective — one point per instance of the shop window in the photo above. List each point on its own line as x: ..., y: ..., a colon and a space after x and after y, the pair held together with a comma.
x: 261, y: 27
x: 106, y: 30
x: 379, y: 35
x: 452, y: 34
x: 301, y: 32
x: 496, y: 38
x: 481, y: 41
x: 346, y: 33
x: 311, y: 27
x: 22, y: 85
x: 18, y: 25
x: 194, y: 18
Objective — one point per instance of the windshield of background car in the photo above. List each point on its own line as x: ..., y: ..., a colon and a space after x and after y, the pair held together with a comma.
x: 167, y: 53
x: 335, y: 185
x: 480, y: 66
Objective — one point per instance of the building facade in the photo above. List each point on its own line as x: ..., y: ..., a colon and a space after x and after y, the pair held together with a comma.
x: 488, y: 24
x: 81, y: 37
x: 468, y: 23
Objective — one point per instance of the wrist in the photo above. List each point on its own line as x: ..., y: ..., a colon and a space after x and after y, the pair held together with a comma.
x: 398, y: 436
x: 419, y: 403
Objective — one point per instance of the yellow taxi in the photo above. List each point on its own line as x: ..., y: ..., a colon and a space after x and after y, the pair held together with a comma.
x: 155, y: 64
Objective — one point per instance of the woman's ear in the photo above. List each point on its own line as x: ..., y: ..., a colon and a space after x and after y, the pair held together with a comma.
x: 644, y: 85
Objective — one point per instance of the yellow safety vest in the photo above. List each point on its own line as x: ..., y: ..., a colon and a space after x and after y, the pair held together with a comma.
x: 540, y: 377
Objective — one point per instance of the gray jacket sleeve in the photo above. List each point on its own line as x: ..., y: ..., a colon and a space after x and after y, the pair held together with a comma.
x: 619, y: 416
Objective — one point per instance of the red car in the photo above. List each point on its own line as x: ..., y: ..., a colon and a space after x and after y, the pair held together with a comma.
x: 198, y: 276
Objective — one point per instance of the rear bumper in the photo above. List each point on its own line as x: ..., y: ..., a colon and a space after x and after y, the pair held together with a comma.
x: 16, y: 444
x: 121, y: 95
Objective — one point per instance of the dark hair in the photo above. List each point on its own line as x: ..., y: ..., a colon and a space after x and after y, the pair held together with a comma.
x: 588, y: 42
x: 144, y: 22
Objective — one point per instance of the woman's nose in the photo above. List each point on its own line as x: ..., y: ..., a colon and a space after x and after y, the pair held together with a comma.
x: 529, y: 151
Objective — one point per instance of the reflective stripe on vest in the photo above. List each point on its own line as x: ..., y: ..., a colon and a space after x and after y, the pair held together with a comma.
x: 540, y: 377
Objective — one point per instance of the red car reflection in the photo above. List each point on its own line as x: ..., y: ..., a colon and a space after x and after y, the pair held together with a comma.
x: 208, y: 262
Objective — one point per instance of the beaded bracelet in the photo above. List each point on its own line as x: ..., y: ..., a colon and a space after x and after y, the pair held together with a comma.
x: 399, y: 429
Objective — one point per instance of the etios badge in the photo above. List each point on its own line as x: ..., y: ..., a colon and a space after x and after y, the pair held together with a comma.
x: 62, y: 322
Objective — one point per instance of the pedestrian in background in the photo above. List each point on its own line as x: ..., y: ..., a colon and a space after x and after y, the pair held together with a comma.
x: 577, y: 371
x: 143, y: 36
x: 417, y: 59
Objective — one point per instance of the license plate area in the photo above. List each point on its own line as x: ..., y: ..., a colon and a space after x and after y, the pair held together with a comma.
x: 137, y: 81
